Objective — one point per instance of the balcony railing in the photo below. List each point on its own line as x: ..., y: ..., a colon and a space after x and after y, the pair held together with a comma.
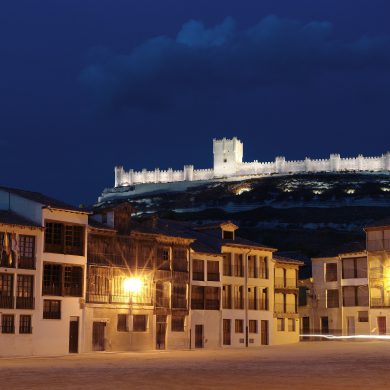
x: 253, y: 272
x: 52, y: 290
x: 8, y: 329
x: 23, y: 329
x: 197, y: 275
x: 26, y: 263
x: 226, y: 303
x: 379, y: 302
x: 25, y: 302
x: 98, y: 298
x: 285, y: 308
x: 179, y: 303
x: 6, y: 302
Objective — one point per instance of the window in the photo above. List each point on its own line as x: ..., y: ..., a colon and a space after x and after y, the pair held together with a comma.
x: 227, y: 235
x: 263, y: 267
x: 238, y: 297
x: 179, y: 296
x: 355, y: 268
x: 7, y: 255
x: 140, y: 323
x: 24, y: 292
x: 227, y: 264
x: 162, y: 261
x: 332, y: 298
x: 252, y: 298
x: 177, y: 323
x: 303, y: 291
x: 363, y: 316
x: 291, y: 324
x: 355, y: 296
x: 6, y: 291
x: 263, y: 304
x: 197, y: 297
x: 212, y: 298
x: 179, y: 260
x: 331, y: 272
x: 252, y: 326
x: 26, y: 252
x: 213, y: 271
x: 252, y: 270
x: 197, y: 270
x: 8, y: 323
x: 64, y: 238
x: 238, y: 265
x: 239, y: 326
x: 121, y: 325
x: 25, y: 324
x: 51, y: 309
x: 61, y: 279
x: 280, y: 324
x: 226, y: 297
x: 73, y: 281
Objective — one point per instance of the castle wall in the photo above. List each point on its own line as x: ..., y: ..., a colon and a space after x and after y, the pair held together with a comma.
x: 228, y: 155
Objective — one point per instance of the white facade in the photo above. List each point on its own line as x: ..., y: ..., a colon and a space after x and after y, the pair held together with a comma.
x: 228, y: 163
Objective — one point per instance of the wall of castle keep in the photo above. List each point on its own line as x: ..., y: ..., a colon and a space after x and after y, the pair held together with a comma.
x: 228, y: 156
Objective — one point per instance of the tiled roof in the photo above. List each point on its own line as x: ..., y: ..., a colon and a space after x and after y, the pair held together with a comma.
x: 11, y: 218
x: 98, y: 225
x: 281, y: 259
x: 43, y: 199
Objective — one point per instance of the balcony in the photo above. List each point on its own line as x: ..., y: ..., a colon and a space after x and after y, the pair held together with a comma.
x: 238, y: 303
x: 10, y: 329
x: 98, y: 298
x: 289, y: 308
x: 52, y: 290
x: 6, y: 302
x: 379, y: 302
x: 226, y: 303
x: 25, y: 303
x: 253, y: 272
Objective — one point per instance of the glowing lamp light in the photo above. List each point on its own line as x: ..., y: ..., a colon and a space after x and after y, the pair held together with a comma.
x: 132, y: 285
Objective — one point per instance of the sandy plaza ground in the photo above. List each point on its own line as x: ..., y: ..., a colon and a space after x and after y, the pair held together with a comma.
x: 308, y: 365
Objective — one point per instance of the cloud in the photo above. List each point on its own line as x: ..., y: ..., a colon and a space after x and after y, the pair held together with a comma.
x: 203, y: 61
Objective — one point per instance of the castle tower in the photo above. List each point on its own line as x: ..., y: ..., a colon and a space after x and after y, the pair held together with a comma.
x: 228, y: 155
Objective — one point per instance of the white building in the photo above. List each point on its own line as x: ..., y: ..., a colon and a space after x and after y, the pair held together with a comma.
x: 42, y: 274
x: 228, y: 163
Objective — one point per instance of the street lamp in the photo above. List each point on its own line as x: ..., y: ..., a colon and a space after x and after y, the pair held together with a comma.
x: 133, y: 285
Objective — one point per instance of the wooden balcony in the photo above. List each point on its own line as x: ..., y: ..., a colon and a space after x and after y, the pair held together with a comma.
x: 25, y: 303
x: 6, y: 302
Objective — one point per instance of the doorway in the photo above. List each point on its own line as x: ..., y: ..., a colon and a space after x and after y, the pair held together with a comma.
x: 161, y: 330
x: 226, y: 332
x: 264, y: 332
x: 74, y: 335
x: 351, y: 326
x: 381, y: 325
x: 98, y: 331
x: 198, y: 336
x: 305, y: 325
x: 324, y: 325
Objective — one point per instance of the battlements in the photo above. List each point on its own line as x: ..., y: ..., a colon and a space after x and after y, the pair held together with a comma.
x: 228, y: 163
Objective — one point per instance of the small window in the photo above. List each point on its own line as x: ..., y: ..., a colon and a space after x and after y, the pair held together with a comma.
x: 332, y: 298
x: 139, y: 323
x: 51, y: 309
x: 122, y: 323
x: 363, y: 316
x: 197, y: 269
x: 291, y: 324
x: 177, y: 323
x: 280, y: 324
x: 8, y: 323
x: 252, y: 326
x: 227, y: 235
x: 331, y: 272
x: 239, y: 326
x: 25, y: 324
x: 213, y: 271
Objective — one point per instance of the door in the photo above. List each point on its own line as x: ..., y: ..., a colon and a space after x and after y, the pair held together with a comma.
x: 226, y: 332
x: 381, y: 325
x: 264, y: 332
x: 161, y: 329
x: 98, y: 336
x: 351, y: 326
x: 74, y: 335
x: 305, y: 325
x: 324, y: 325
x: 198, y: 336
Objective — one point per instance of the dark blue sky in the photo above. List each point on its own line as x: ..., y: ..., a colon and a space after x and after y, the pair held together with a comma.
x: 86, y: 85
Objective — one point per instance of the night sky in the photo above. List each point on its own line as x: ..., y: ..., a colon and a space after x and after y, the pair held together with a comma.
x: 86, y: 85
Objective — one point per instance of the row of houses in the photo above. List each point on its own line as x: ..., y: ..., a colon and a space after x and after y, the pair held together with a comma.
x: 349, y: 292
x: 73, y: 281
